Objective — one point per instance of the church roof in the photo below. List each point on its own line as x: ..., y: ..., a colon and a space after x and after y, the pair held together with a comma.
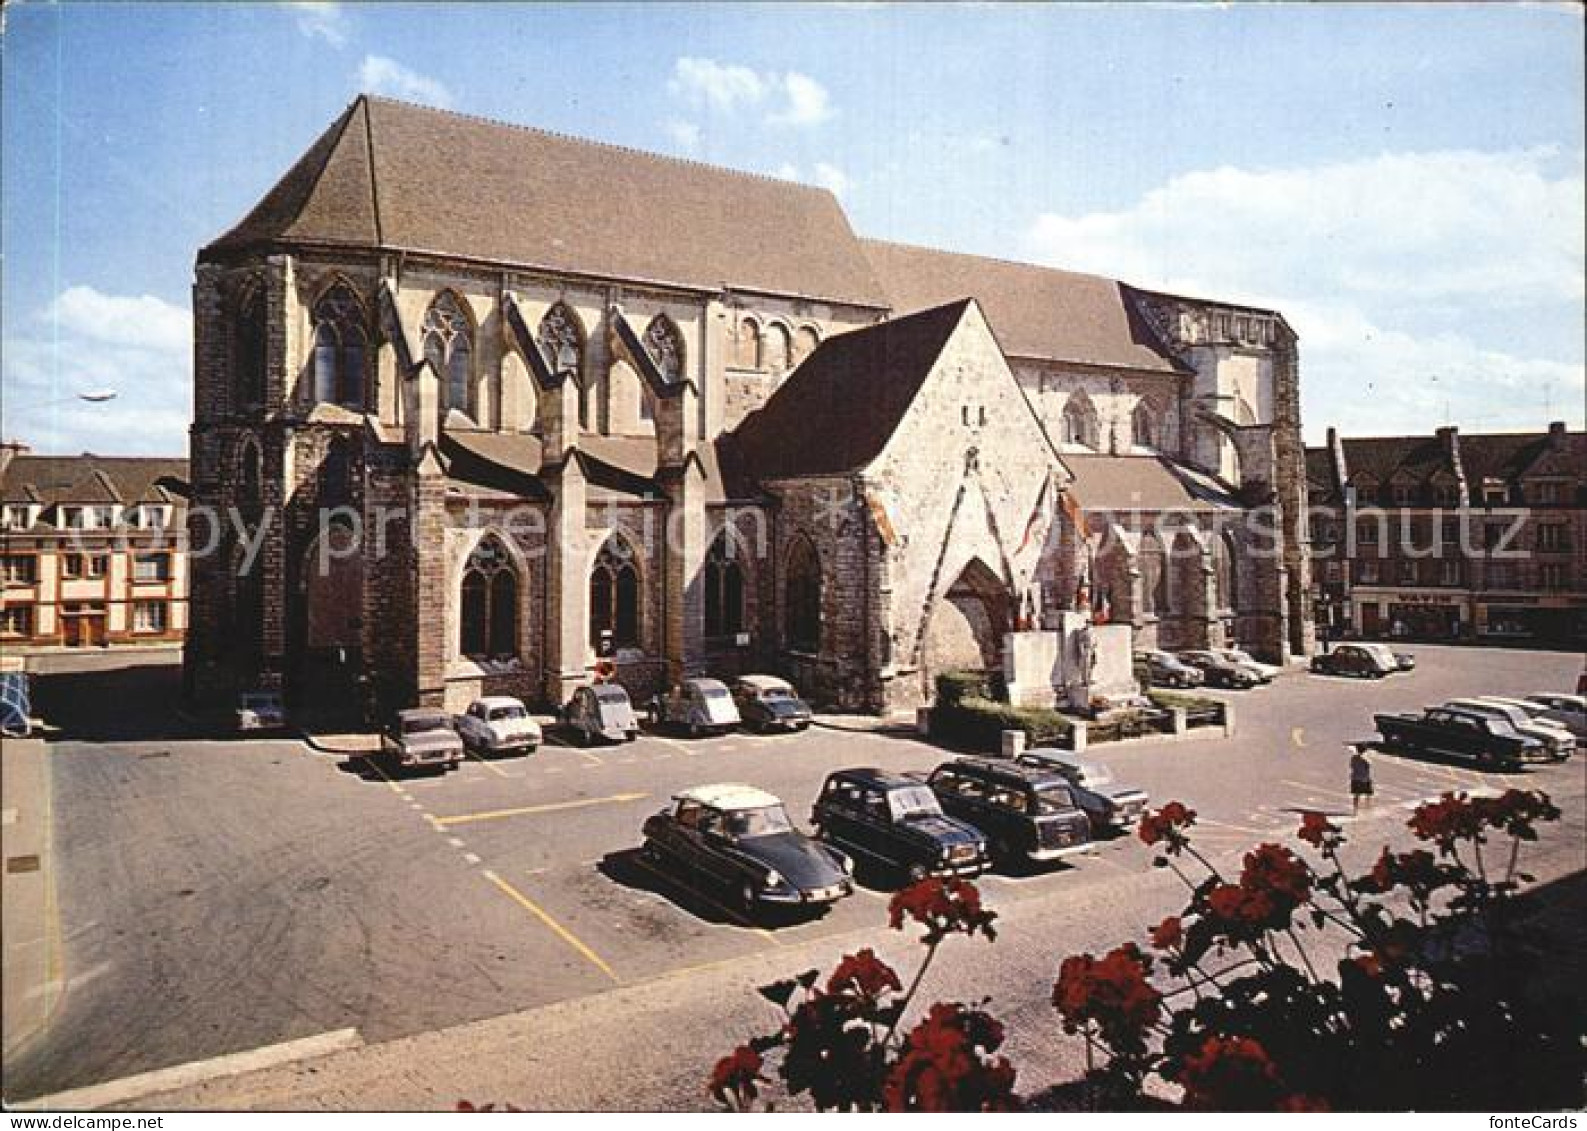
x: 1145, y: 482
x: 90, y: 479
x: 394, y: 175
x: 836, y: 412
x: 1036, y: 312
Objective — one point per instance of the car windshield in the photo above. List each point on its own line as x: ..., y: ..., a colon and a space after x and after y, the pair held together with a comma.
x: 713, y: 693
x: 609, y: 694
x: 776, y: 693
x: 1238, y: 656
x: 745, y: 823
x: 499, y: 714
x: 913, y: 801
x: 1511, y: 714
x: 1052, y: 799
x: 259, y: 703
x: 424, y: 723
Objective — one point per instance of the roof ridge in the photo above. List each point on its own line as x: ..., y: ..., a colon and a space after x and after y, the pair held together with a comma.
x: 595, y: 143
x: 997, y: 259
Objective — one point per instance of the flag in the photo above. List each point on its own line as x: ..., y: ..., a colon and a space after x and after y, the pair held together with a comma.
x: 1036, y: 515
x: 879, y: 515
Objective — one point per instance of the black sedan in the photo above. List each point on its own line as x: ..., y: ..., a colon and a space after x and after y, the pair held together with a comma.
x: 739, y: 839
x: 768, y: 703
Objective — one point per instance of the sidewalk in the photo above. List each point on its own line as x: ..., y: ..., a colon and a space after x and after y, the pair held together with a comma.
x: 30, y: 968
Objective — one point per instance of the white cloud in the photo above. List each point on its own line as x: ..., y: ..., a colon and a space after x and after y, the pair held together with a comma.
x: 321, y: 19
x: 380, y: 75
x: 685, y: 135
x: 1394, y: 269
x: 808, y: 102
x: 85, y: 340
x: 790, y: 99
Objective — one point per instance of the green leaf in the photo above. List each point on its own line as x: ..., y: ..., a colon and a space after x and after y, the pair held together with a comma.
x: 778, y: 993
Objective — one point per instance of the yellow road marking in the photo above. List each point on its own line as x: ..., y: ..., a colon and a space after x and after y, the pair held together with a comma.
x: 558, y: 929
x: 524, y: 811
x: 499, y: 772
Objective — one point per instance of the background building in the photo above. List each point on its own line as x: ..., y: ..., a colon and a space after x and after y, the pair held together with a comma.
x: 92, y: 550
x: 1451, y: 536
x: 495, y: 400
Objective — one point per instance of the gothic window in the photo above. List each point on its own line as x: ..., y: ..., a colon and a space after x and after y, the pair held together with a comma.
x: 1225, y: 566
x: 561, y: 340
x: 805, y: 343
x: 336, y: 473
x: 250, y: 495
x: 449, y: 347
x: 779, y: 348
x: 340, y: 348
x: 724, y: 588
x: 1079, y: 423
x: 614, y: 595
x: 802, y: 597
x: 665, y: 346
x: 1143, y: 426
x: 1154, y: 575
x: 747, y: 348
x: 248, y: 348
x: 489, y: 604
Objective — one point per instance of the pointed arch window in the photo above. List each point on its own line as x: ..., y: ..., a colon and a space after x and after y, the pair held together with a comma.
x: 1226, y: 570
x: 561, y: 340
x: 448, y: 337
x: 249, y: 346
x: 341, y: 348
x: 614, y: 595
x: 489, y: 604
x: 1079, y: 423
x: 746, y: 353
x: 1154, y: 576
x: 802, y: 597
x: 665, y: 346
x: 1143, y: 426
x: 724, y: 588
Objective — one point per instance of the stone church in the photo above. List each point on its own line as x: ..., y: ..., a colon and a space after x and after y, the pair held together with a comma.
x: 479, y: 407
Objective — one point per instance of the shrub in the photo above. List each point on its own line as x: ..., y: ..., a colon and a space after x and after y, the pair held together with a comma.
x: 956, y: 686
x: 1185, y: 699
x: 979, y: 724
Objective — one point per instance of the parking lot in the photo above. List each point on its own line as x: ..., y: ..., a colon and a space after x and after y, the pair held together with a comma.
x: 218, y: 896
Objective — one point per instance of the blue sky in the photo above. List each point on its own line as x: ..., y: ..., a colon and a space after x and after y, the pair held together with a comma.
x: 1406, y: 183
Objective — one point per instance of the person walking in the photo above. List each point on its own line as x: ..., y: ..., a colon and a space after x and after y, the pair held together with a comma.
x: 1360, y: 778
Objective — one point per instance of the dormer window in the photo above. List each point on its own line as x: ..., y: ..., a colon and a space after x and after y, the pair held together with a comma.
x: 18, y: 516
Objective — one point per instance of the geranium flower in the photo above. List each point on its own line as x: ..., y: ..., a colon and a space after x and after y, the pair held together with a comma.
x: 944, y: 1066
x: 1318, y: 831
x: 1112, y: 992
x: 863, y: 975
x: 1166, y: 826
x: 736, y: 1075
x: 943, y: 907
x: 1169, y: 934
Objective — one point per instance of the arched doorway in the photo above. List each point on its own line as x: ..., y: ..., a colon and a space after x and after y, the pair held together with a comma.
x: 967, y: 625
x: 328, y: 688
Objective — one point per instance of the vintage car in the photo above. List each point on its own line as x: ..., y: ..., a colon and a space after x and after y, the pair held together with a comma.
x: 739, y: 839
x: 768, y: 703
x: 699, y: 706
x: 1267, y: 673
x: 260, y: 710
x: 601, y: 711
x: 1396, y: 661
x: 1557, y: 741
x: 1110, y: 806
x: 1027, y: 812
x: 1351, y: 659
x: 1220, y: 672
x: 896, y: 822
x: 1164, y: 669
x: 1569, y: 711
x: 422, y: 736
x: 1487, y: 739
x: 498, y: 724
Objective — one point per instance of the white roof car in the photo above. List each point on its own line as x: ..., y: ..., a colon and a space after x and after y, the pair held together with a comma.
x: 1556, y: 737
x: 765, y: 683
x: 1245, y: 659
x: 729, y: 796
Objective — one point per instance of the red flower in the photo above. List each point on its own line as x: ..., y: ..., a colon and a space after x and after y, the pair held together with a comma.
x: 1278, y: 873
x: 1418, y: 870
x: 1167, y: 826
x: 1232, y: 1074
x: 944, y: 1066
x: 1169, y: 934
x: 736, y: 1075
x: 1450, y: 819
x: 1113, y: 993
x: 863, y: 975
x: 943, y: 907
x: 1318, y: 831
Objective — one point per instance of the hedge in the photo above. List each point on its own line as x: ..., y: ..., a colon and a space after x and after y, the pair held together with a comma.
x: 979, y: 723
x: 1183, y: 699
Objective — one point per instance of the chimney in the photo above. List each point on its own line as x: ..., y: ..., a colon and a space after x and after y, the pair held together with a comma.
x: 1556, y: 434
x: 1336, y: 453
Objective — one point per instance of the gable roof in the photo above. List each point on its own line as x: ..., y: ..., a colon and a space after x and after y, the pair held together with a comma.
x: 51, y: 480
x: 838, y: 409
x: 394, y: 175
x: 1036, y: 312
x: 1145, y: 482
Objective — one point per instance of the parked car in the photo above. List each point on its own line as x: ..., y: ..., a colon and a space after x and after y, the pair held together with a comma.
x: 1396, y: 661
x: 1488, y: 739
x: 1569, y: 711
x: 1026, y: 812
x: 1164, y: 669
x: 768, y: 703
x: 601, y: 711
x: 700, y: 706
x: 1109, y: 806
x: 422, y: 736
x: 1557, y: 741
x: 498, y: 724
x: 896, y: 822
x: 260, y: 710
x: 1351, y: 659
x: 1219, y: 672
x: 1267, y: 673
x: 739, y: 838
